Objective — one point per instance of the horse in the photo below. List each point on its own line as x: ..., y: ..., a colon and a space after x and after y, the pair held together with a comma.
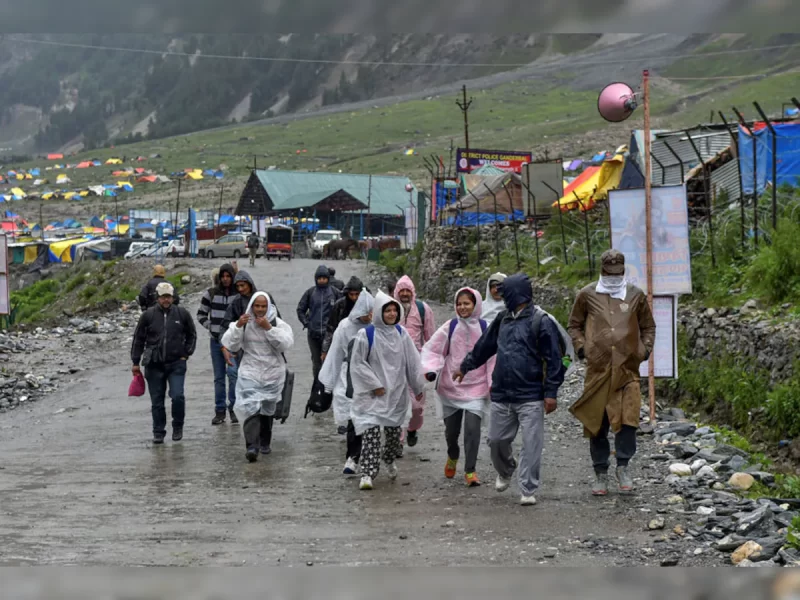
x: 332, y: 249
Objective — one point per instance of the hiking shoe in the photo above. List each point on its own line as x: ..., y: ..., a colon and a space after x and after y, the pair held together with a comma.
x: 234, y: 418
x: 527, y: 500
x: 501, y: 483
x: 600, y: 487
x: 366, y: 483
x: 391, y: 471
x: 399, y: 453
x: 265, y: 449
x: 350, y: 467
x: 341, y: 430
x: 450, y: 468
x: 158, y: 438
x: 625, y: 480
x: 472, y: 479
x: 252, y: 455
x: 177, y: 434
x: 218, y: 419
x: 411, y: 439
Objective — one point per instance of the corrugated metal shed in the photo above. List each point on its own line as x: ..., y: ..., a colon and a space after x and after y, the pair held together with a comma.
x: 727, y: 178
x: 709, y: 144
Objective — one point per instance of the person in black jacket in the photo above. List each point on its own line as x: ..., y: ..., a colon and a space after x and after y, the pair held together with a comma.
x: 334, y: 282
x: 341, y: 310
x: 147, y: 296
x: 314, y: 310
x: 164, y: 339
x: 525, y: 382
x: 237, y: 308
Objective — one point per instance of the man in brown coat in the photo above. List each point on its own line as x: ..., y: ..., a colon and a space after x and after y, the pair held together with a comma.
x: 612, y: 327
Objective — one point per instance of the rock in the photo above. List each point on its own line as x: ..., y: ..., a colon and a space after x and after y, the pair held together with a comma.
x: 790, y: 557
x: 678, y: 530
x: 769, y: 548
x: 749, y: 307
x: 763, y: 477
x: 657, y: 523
x: 673, y: 500
x: 737, y: 463
x: 718, y: 486
x: 745, y: 551
x: 550, y: 553
x: 701, y: 431
x: 706, y: 473
x: 685, y: 450
x: 741, y: 481
x: 710, y: 456
x: 678, y: 413
x: 705, y: 511
x: 728, y: 450
x: 680, y: 429
x: 671, y: 561
x: 754, y: 520
x: 186, y: 279
x: 449, y: 524
x: 698, y: 464
x: 729, y: 543
x: 680, y: 469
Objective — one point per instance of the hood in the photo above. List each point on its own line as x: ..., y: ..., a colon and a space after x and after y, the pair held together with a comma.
x: 405, y: 283
x: 476, y: 314
x: 226, y: 268
x: 362, y: 307
x: 382, y: 300
x: 354, y: 284
x: 499, y: 278
x: 517, y: 290
x: 322, y: 271
x: 215, y: 277
x: 272, y: 312
x: 245, y: 276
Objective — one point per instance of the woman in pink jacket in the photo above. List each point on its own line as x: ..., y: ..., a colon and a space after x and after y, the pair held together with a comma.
x: 467, y: 401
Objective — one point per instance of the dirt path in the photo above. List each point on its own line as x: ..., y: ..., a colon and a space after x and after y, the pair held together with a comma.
x: 87, y: 487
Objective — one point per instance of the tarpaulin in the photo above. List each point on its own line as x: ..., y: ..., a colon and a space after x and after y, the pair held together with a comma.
x: 788, y: 151
x: 595, y: 187
x: 470, y: 219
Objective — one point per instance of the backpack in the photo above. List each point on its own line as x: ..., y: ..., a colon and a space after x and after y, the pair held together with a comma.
x: 421, y: 309
x: 253, y: 241
x: 319, y: 400
x: 453, y: 323
x: 370, y: 329
x: 538, y: 315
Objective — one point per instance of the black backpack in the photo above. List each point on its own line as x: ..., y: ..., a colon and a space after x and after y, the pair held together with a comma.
x: 319, y: 400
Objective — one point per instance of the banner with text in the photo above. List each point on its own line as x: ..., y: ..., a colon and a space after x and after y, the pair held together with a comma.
x: 665, y: 351
x: 672, y: 270
x: 5, y: 304
x: 506, y: 160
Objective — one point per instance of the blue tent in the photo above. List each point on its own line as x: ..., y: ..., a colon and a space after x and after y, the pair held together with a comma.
x: 97, y: 222
x: 209, y: 172
x: 11, y: 215
x: 219, y: 175
x: 470, y: 219
x: 788, y: 151
x: 226, y: 219
x: 34, y: 172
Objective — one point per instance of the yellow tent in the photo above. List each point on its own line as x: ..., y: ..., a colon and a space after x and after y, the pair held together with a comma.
x: 19, y: 177
x: 61, y: 249
x: 84, y: 193
x: 121, y: 229
x: 114, y: 161
x: 597, y: 186
x: 31, y: 254
x: 68, y: 195
x: 18, y: 192
x: 121, y: 183
x: 28, y: 176
x: 47, y: 196
x: 196, y: 174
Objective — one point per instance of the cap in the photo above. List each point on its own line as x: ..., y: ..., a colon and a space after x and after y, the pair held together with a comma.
x: 164, y: 289
x: 613, y: 262
x: 159, y: 271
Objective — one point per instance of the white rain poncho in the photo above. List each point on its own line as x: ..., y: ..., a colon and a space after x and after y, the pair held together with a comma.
x: 492, y: 307
x: 393, y: 364
x: 262, y: 370
x: 334, y: 370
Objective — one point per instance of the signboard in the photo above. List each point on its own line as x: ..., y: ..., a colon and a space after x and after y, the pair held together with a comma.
x: 665, y: 351
x: 672, y: 270
x: 506, y: 160
x: 5, y: 304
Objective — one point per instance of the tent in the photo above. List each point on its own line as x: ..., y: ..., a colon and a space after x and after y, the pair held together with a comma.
x: 195, y: 174
x: 60, y: 251
x: 788, y: 150
x: 114, y: 161
x: 84, y: 165
x: 35, y: 172
x: 125, y: 186
x: 18, y: 193
x: 593, y: 187
x: 147, y: 179
x: 62, y: 178
x: 55, y: 156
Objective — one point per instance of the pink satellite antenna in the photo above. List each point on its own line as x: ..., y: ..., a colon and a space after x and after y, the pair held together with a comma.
x: 616, y: 102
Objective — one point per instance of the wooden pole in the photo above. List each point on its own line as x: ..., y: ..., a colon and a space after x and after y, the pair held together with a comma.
x: 216, y: 228
x: 648, y: 204
x: 369, y: 206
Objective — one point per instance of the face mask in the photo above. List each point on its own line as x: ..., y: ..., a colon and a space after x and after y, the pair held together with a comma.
x: 613, y: 280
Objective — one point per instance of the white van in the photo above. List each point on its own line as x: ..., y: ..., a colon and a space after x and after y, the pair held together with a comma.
x: 323, y: 237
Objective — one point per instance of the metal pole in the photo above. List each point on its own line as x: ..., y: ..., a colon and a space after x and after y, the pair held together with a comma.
x: 582, y: 209
x: 369, y: 206
x: 560, y: 219
x: 514, y: 223
x: 496, y: 227
x: 707, y: 197
x: 678, y: 158
x: 648, y: 201
x: 735, y: 148
x: 177, y: 208
x: 663, y: 172
x: 774, y: 165
x: 755, y: 174
x: 221, y: 189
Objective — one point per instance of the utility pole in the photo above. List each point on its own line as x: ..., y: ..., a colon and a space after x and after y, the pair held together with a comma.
x: 221, y: 188
x: 464, y: 106
x: 177, y: 208
x: 369, y: 206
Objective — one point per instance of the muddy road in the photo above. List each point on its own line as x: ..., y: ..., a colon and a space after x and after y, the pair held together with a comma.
x: 86, y: 486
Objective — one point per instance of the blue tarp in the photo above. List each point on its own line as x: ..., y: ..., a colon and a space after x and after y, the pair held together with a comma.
x: 470, y: 219
x: 446, y: 194
x: 788, y: 150
x: 96, y: 222
x: 599, y: 157
x: 35, y: 172
x: 219, y: 175
x: 225, y: 219
x: 11, y: 215
x: 575, y: 164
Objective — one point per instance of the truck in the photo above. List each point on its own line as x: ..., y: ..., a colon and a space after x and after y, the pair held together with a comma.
x: 323, y: 237
x: 279, y: 242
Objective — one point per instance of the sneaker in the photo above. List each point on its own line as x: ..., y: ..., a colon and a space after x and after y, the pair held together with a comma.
x: 472, y: 479
x: 252, y: 455
x: 501, y: 484
x: 218, y: 419
x: 177, y: 434
x: 625, y: 480
x: 527, y: 500
x: 391, y: 471
x: 412, y: 439
x: 341, y: 430
x: 265, y: 449
x: 450, y: 468
x: 234, y: 419
x: 350, y: 467
x: 366, y: 483
x: 600, y: 487
x: 399, y: 453
x: 158, y: 438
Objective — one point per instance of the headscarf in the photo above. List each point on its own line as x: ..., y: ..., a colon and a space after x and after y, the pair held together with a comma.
x: 492, y: 307
x: 615, y: 286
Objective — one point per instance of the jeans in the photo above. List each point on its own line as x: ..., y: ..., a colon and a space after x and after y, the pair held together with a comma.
x: 472, y: 437
x: 600, y: 448
x: 221, y: 370
x: 158, y: 376
x: 506, y: 420
x: 253, y: 252
x: 315, y: 345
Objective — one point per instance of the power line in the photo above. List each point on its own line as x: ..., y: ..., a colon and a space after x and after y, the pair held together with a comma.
x: 408, y: 64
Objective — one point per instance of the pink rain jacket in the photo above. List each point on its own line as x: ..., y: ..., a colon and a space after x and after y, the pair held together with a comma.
x: 413, y: 320
x: 466, y: 333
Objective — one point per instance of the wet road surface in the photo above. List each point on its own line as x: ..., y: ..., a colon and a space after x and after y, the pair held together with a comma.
x: 88, y: 487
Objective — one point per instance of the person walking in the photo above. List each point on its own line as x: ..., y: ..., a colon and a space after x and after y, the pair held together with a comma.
x: 262, y: 338
x: 314, y: 310
x: 384, y: 364
x: 525, y: 383
x: 334, y: 282
x: 163, y: 341
x: 253, y: 242
x: 210, y: 315
x: 493, y: 305
x: 467, y: 402
x: 334, y: 374
x: 612, y: 328
x: 341, y: 310
x: 237, y: 307
x: 148, y: 296
x: 421, y: 325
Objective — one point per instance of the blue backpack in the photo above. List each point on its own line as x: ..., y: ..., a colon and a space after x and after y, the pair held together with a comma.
x: 453, y: 323
x: 370, y: 329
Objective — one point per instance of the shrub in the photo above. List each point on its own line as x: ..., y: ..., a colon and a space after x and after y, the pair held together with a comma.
x: 774, y: 273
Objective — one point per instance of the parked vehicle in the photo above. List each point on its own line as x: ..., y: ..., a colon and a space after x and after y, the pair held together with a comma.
x: 279, y: 242
x: 323, y: 237
x: 233, y: 245
x: 137, y: 248
x: 173, y: 248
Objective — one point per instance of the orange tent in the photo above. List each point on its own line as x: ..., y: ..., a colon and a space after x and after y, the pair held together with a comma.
x: 147, y: 178
x: 54, y: 156
x: 84, y: 165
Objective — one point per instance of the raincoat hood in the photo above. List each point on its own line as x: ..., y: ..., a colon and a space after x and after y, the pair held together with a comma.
x: 477, y: 313
x: 517, y: 290
x: 272, y: 312
x: 226, y: 268
x: 362, y: 307
x: 405, y: 283
x: 354, y: 284
x: 322, y: 271
x: 245, y: 276
x: 381, y: 300
x: 492, y: 307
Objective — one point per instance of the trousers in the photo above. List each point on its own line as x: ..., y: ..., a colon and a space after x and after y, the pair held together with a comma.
x: 472, y: 437
x: 315, y: 346
x: 354, y: 443
x: 221, y: 372
x: 600, y: 447
x: 258, y: 431
x: 158, y: 378
x: 506, y: 420
x: 371, y: 449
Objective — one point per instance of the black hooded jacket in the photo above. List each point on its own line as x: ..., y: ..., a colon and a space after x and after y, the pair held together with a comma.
x: 172, y: 330
x: 341, y: 310
x: 314, y: 308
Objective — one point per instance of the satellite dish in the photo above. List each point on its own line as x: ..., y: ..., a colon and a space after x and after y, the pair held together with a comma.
x: 616, y: 102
